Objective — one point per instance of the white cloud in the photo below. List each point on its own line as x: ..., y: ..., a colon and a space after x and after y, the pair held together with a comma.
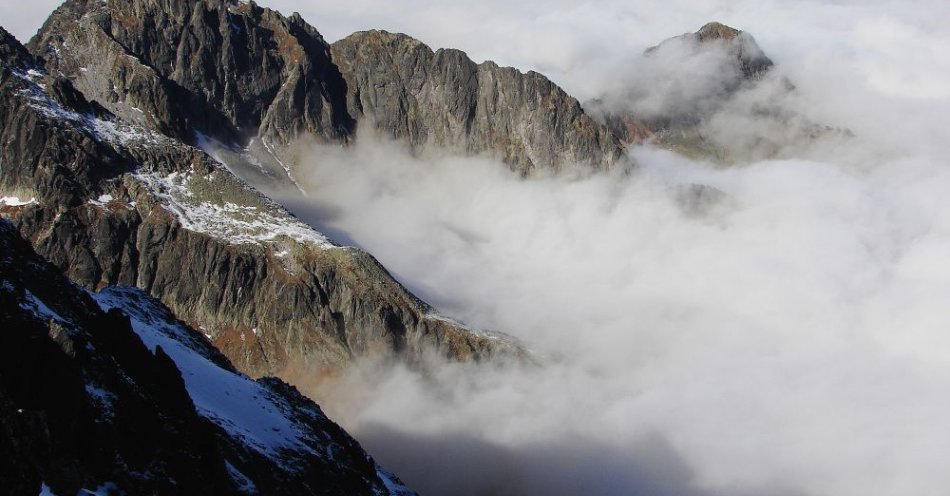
x: 791, y: 337
x: 789, y: 340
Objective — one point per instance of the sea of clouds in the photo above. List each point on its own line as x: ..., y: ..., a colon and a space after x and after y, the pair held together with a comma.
x: 786, y: 335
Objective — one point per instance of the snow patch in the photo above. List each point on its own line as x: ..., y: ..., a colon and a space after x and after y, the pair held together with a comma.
x: 244, y: 484
x: 102, y: 200
x: 103, y: 398
x: 290, y: 174
x: 109, y: 131
x: 392, y: 484
x: 244, y: 408
x: 13, y: 201
x: 36, y: 306
x: 236, y: 224
x: 105, y: 489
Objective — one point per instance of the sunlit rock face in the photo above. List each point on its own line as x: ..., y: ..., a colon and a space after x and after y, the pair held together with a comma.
x: 441, y: 100
x: 246, y: 75
x: 117, y: 203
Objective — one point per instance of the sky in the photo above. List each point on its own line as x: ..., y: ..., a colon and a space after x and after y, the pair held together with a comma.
x: 788, y: 337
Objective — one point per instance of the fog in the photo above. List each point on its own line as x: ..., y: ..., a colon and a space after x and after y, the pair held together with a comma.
x: 789, y: 334
x: 775, y: 326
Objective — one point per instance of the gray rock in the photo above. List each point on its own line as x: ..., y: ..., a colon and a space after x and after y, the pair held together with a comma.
x: 226, y: 69
x: 443, y: 101
x: 235, y: 72
x: 84, y: 401
x: 208, y: 246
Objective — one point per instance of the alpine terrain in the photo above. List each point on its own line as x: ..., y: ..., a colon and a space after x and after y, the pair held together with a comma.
x: 155, y: 299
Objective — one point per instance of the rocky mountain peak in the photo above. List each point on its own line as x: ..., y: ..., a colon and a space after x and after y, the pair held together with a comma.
x: 741, y: 46
x: 719, y: 100
x: 693, y: 75
x: 250, y: 77
x: 716, y: 31
x: 115, y: 203
x: 442, y: 100
x: 376, y: 39
x: 229, y: 70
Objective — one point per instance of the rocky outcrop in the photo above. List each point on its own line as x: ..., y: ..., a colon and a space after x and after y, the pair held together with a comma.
x: 91, y: 400
x: 441, y: 100
x: 117, y: 204
x: 13, y: 52
x: 60, y: 167
x: 229, y: 70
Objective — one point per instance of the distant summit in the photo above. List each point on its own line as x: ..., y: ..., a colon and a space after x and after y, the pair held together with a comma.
x: 750, y: 59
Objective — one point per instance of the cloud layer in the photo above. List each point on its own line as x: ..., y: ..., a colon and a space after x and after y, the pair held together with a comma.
x: 775, y: 327
x: 788, y: 331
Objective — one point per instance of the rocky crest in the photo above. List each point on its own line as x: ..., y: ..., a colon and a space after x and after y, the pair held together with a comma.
x: 91, y: 399
x: 229, y: 70
x: 443, y: 100
x: 249, y: 77
x: 118, y: 204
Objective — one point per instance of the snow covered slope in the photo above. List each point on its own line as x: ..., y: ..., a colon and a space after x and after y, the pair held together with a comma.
x: 265, y: 415
x: 109, y: 392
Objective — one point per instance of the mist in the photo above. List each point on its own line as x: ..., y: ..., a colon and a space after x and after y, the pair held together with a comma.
x: 776, y: 326
x: 788, y: 332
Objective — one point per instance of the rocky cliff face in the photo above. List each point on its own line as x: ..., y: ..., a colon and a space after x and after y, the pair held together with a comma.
x: 230, y: 70
x: 249, y: 77
x: 442, y: 100
x: 118, y: 204
x: 135, y: 402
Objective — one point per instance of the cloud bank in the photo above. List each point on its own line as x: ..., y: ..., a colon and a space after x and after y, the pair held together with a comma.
x: 773, y: 327
x: 788, y: 333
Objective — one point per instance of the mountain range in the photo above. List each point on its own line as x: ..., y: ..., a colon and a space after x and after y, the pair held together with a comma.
x: 155, y: 299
